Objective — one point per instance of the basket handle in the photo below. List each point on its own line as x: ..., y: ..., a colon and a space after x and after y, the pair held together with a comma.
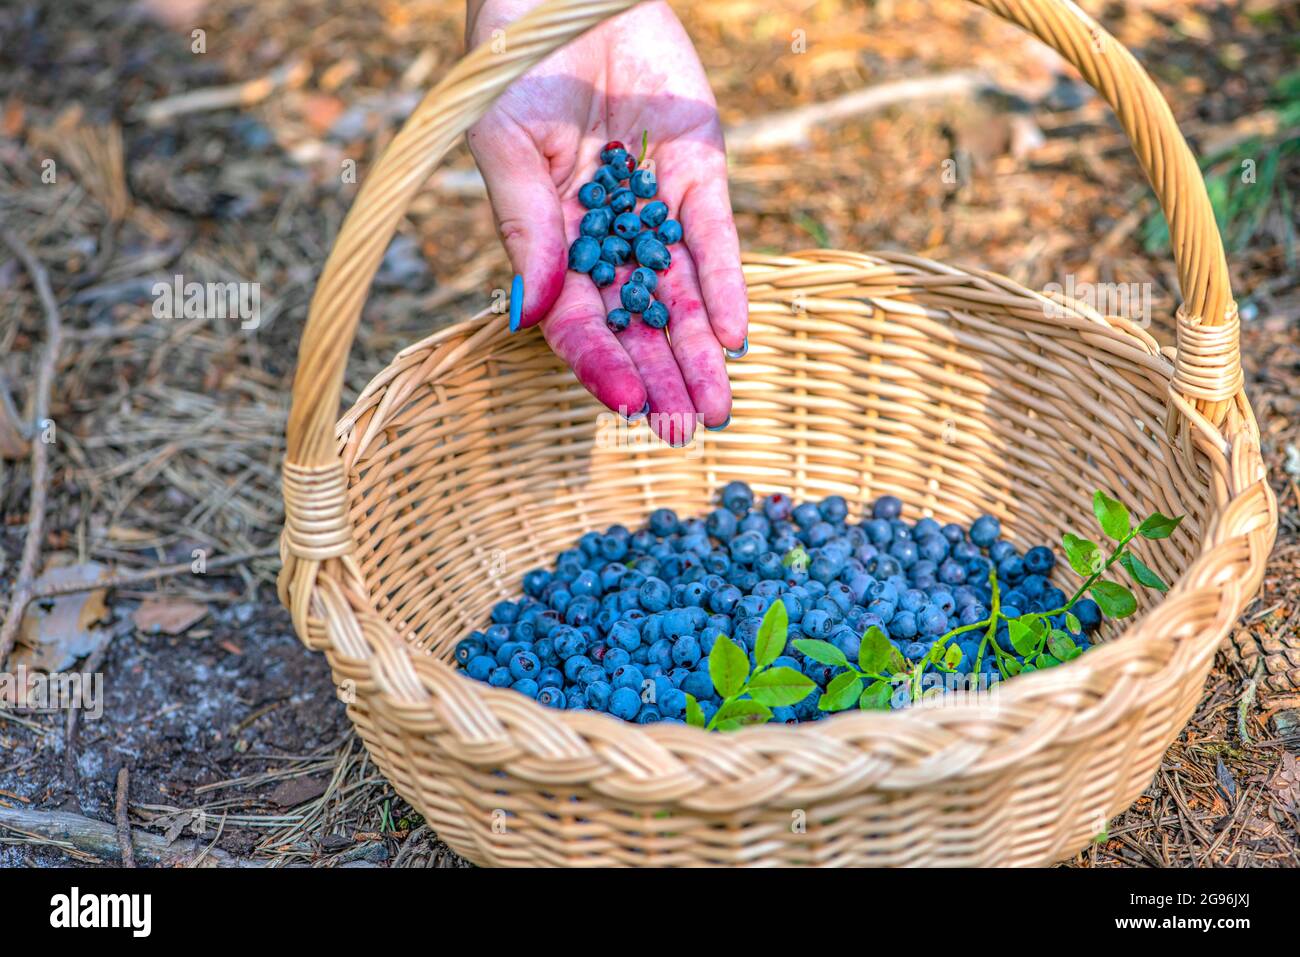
x: 1207, y: 373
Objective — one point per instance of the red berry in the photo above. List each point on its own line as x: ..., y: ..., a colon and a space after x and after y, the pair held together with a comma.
x: 611, y: 146
x: 631, y: 163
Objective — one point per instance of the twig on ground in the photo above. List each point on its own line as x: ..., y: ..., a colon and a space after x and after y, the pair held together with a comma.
x: 123, y: 823
x: 88, y: 836
x: 1247, y: 702
x: 144, y: 575
x: 39, y: 449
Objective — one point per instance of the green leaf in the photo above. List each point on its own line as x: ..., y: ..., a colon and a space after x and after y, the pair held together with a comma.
x: 1112, y: 515
x: 780, y: 686
x: 952, y: 657
x: 1114, y: 600
x: 1156, y: 525
x: 728, y: 667
x: 743, y: 711
x: 771, y: 635
x: 1082, y: 554
x: 1047, y: 661
x: 1073, y: 623
x: 1140, y: 573
x: 645, y: 144
x: 876, y: 697
x: 1013, y: 667
x: 795, y: 558
x: 822, y: 651
x: 1022, y: 637
x: 694, y: 713
x: 1062, y: 645
x: 876, y: 652
x: 843, y: 692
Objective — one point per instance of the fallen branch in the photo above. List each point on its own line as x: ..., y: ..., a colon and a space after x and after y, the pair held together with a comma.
x: 794, y: 127
x: 22, y: 587
x: 290, y: 74
x: 126, y: 852
x: 89, y: 836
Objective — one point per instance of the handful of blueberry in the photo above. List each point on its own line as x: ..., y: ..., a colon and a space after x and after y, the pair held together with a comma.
x: 629, y: 623
x: 612, y: 230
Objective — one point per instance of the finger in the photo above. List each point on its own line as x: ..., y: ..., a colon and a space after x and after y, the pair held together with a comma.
x: 672, y: 414
x: 710, y: 235
x: 693, y: 340
x: 528, y: 215
x: 576, y: 332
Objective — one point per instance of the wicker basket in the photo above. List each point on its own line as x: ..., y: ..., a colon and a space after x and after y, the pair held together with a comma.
x: 475, y: 455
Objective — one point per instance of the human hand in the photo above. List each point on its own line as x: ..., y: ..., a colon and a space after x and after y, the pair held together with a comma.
x: 539, y: 143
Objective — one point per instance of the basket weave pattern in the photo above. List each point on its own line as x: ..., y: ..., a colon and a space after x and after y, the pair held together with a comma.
x: 475, y: 455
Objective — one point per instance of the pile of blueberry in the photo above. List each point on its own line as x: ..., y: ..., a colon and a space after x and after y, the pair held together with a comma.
x: 612, y: 230
x: 625, y: 622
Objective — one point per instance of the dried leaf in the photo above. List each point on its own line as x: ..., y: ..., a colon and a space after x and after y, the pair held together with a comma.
x: 57, y: 631
x: 168, y: 616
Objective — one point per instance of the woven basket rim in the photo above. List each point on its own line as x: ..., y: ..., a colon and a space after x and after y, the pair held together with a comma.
x: 946, y: 716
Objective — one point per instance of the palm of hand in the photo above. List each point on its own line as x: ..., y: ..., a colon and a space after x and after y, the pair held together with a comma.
x: 540, y: 143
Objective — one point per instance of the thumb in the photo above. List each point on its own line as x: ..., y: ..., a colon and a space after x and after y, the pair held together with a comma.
x: 528, y: 215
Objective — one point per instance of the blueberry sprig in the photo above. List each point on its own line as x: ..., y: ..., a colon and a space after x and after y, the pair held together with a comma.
x: 612, y: 229
x: 1038, y: 638
x: 748, y: 696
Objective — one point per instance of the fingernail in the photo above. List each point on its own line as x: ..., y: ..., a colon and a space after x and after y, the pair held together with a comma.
x: 638, y: 416
x: 516, y: 303
x: 719, y: 428
x: 738, y: 353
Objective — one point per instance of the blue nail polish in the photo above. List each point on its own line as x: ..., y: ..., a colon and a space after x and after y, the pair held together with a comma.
x: 719, y: 428
x: 738, y: 353
x: 516, y: 303
x: 638, y: 416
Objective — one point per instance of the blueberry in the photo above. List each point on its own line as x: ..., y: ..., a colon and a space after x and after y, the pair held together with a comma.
x: 500, y: 677
x: 609, y: 178
x: 646, y: 277
x: 663, y: 521
x: 644, y: 183
x: 592, y: 195
x: 618, y: 320
x: 469, y: 648
x: 615, y: 250
x: 480, y: 667
x: 652, y: 253
x: 655, y: 315
x: 602, y: 274
x: 1040, y: 560
x: 552, y: 697
x: 621, y: 200
x: 526, y: 686
x: 653, y: 214
x: 887, y: 507
x: 595, y: 223
x: 635, y: 297
x: 598, y: 694
x: 611, y: 149
x: 1089, y: 614
x: 583, y: 254
x: 669, y: 232
x: 985, y: 530
x: 626, y: 225
x: 524, y: 664
x: 624, y: 703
